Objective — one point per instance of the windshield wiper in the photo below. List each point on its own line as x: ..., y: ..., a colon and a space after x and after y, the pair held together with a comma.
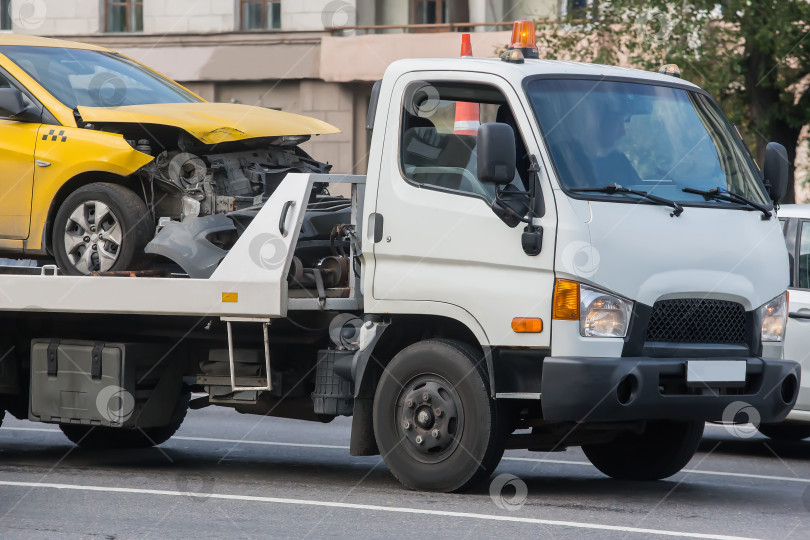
x: 721, y: 194
x: 616, y: 188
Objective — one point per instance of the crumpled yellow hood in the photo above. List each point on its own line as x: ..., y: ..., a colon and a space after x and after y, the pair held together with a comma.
x: 212, y: 123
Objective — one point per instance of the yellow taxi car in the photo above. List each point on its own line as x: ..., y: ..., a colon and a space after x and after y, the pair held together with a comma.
x: 96, y: 149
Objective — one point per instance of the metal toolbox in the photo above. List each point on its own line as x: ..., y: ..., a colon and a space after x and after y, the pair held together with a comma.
x: 95, y: 383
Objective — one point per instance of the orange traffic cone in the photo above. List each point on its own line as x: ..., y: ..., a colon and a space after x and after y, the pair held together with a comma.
x: 467, y: 120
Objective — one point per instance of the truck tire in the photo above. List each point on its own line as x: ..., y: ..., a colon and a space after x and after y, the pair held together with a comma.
x: 664, y: 448
x: 101, y: 227
x: 786, y: 431
x: 106, y: 438
x: 435, y: 424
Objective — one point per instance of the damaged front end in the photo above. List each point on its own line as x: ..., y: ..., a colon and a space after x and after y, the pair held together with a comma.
x: 194, y: 181
x: 210, y: 158
x: 202, y: 172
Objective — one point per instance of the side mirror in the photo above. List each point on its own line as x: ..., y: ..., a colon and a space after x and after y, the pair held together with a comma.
x: 775, y: 171
x: 496, y: 153
x: 11, y: 102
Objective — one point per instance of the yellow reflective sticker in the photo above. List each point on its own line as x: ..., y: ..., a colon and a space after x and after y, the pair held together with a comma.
x: 230, y: 297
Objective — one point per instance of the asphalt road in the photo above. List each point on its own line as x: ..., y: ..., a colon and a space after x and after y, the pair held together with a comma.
x: 227, y: 475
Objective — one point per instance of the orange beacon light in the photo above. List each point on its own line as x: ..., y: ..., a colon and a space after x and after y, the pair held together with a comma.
x: 524, y: 39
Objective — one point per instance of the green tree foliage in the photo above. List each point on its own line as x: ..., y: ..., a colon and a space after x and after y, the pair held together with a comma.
x: 753, y: 56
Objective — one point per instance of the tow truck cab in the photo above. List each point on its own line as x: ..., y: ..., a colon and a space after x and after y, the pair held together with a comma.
x: 647, y: 282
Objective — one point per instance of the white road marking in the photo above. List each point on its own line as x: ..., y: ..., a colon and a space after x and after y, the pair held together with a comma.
x: 691, y: 471
x: 505, y: 458
x: 372, y: 507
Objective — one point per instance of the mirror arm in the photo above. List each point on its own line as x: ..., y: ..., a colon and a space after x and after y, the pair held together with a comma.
x: 508, y: 210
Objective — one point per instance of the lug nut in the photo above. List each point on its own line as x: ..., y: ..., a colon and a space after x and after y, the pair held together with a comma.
x: 92, y: 228
x: 95, y: 247
x: 439, y: 412
x: 425, y: 396
x: 406, y: 425
x: 86, y: 238
x: 435, y: 433
x: 409, y: 403
x: 419, y: 439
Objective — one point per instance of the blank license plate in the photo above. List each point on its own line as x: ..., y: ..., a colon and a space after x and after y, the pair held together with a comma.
x: 715, y: 372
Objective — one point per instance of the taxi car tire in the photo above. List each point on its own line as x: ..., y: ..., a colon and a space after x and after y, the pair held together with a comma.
x: 476, y: 446
x: 663, y: 449
x: 104, y: 437
x: 127, y: 208
x: 786, y: 431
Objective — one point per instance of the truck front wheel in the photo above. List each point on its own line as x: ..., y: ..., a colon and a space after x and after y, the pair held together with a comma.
x: 661, y: 450
x: 436, y: 427
x: 105, y: 438
x: 101, y: 227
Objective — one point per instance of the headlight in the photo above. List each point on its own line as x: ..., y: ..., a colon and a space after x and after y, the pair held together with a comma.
x: 602, y: 314
x: 774, y: 318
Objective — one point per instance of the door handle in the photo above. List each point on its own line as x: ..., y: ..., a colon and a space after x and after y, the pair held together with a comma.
x: 376, y: 220
x: 282, y: 221
x: 799, y: 315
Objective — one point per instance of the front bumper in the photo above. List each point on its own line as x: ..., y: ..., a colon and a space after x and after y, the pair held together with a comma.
x: 639, y: 388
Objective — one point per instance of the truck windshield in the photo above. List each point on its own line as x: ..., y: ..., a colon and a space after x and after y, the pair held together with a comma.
x: 95, y: 78
x: 657, y: 139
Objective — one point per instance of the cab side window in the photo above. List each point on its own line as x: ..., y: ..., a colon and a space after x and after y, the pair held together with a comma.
x: 438, y: 135
x: 803, y: 281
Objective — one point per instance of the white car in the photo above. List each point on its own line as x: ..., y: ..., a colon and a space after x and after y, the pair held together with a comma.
x: 795, y: 220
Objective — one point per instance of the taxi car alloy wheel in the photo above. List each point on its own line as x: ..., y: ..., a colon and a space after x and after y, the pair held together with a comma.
x: 101, y: 227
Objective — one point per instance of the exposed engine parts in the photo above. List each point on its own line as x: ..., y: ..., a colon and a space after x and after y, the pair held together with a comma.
x: 194, y: 180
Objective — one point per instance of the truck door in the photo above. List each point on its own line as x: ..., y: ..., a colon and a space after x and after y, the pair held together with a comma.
x: 797, y: 344
x: 441, y: 243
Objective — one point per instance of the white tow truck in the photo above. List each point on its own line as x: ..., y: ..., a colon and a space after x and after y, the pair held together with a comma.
x: 598, y: 264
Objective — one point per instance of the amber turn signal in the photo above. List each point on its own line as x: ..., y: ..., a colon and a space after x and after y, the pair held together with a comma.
x: 527, y: 325
x: 566, y: 300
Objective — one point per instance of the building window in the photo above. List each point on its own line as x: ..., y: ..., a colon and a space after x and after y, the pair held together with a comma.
x: 123, y: 15
x: 429, y: 11
x: 5, y: 14
x: 260, y: 14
